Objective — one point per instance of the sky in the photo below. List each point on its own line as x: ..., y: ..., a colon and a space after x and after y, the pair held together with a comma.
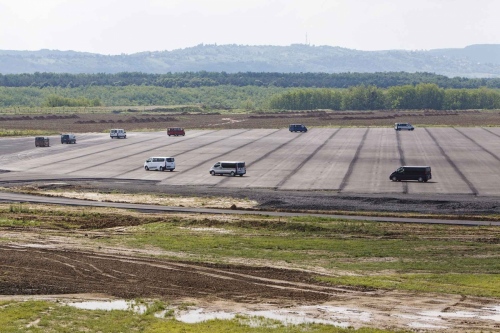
x: 113, y: 27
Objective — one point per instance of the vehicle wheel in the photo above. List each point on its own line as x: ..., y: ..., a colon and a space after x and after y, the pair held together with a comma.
x: 212, y: 173
x: 420, y: 179
x: 394, y: 178
x: 146, y: 167
x: 162, y: 168
x: 425, y: 181
x: 171, y: 170
x: 241, y: 175
x: 232, y: 174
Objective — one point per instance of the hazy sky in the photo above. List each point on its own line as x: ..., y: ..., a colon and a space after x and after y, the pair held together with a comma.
x: 128, y: 26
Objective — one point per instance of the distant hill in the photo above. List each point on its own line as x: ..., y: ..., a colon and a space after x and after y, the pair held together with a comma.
x: 472, y: 61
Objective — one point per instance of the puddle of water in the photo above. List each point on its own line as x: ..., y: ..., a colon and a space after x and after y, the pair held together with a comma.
x: 199, y: 315
x: 327, y: 315
x: 110, y: 305
x: 336, y: 316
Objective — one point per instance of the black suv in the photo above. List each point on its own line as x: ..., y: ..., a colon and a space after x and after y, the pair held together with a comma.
x: 297, y: 128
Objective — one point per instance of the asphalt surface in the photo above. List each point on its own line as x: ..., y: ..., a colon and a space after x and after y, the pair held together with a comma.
x: 348, y: 160
x: 324, y: 169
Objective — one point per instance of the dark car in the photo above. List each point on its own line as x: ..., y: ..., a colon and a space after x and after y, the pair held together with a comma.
x: 176, y: 131
x: 420, y: 173
x: 297, y: 128
x: 68, y: 138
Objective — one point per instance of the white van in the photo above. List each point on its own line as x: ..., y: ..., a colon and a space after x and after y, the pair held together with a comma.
x: 160, y: 163
x: 231, y: 168
x: 118, y: 133
x: 403, y: 126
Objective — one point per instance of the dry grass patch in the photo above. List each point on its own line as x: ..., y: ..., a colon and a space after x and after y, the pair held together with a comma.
x: 150, y: 199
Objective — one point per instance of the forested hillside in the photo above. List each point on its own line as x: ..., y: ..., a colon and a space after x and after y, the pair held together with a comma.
x: 473, y: 61
x: 212, y: 79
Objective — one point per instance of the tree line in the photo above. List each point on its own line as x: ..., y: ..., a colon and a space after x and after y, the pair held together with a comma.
x: 262, y: 79
x: 420, y: 96
x: 363, y: 97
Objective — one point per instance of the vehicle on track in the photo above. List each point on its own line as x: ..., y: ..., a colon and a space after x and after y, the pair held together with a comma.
x: 403, y: 127
x: 176, y: 131
x: 297, y: 128
x: 420, y: 173
x: 231, y: 168
x: 68, y: 138
x: 160, y: 163
x: 42, y: 141
x: 118, y: 133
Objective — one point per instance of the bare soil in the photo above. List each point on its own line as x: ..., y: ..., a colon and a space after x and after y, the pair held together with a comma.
x: 134, y: 119
x: 37, y: 264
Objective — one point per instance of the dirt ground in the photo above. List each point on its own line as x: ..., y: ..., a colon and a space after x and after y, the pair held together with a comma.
x: 41, y: 264
x: 47, y: 265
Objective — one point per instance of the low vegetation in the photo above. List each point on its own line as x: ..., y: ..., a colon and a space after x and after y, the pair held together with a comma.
x: 48, y: 317
x: 431, y: 258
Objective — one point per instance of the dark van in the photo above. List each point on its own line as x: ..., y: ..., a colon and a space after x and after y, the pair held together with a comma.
x: 42, y: 141
x: 420, y: 173
x: 297, y: 128
x: 68, y: 138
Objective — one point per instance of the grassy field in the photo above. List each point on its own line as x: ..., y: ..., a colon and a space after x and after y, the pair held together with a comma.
x: 431, y: 258
x: 47, y: 317
x: 362, y: 255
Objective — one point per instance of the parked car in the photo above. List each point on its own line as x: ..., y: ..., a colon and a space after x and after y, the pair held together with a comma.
x: 297, y: 128
x: 160, y: 163
x: 231, y: 168
x: 420, y: 173
x: 68, y: 138
x: 42, y: 141
x: 118, y: 133
x: 176, y: 131
x: 403, y: 126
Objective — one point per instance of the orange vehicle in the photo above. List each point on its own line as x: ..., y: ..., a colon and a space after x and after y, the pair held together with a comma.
x: 176, y: 131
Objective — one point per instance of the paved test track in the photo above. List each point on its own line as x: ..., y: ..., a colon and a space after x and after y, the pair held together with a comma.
x: 350, y: 160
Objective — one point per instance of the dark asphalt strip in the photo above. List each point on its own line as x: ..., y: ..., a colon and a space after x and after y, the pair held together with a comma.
x: 142, y: 152
x: 353, y: 161
x: 401, y: 159
x: 17, y: 197
x: 453, y: 165
x: 477, y: 144
x: 284, y: 180
x: 100, y: 151
x: 213, y: 158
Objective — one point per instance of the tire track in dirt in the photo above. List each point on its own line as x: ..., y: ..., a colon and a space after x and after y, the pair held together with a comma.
x: 128, y: 156
x: 401, y: 159
x: 287, y: 177
x: 347, y: 175
x: 154, y: 277
x: 453, y: 165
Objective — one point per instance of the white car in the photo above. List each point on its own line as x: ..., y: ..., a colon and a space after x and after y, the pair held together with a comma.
x: 160, y: 163
x: 403, y: 126
x: 118, y: 133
